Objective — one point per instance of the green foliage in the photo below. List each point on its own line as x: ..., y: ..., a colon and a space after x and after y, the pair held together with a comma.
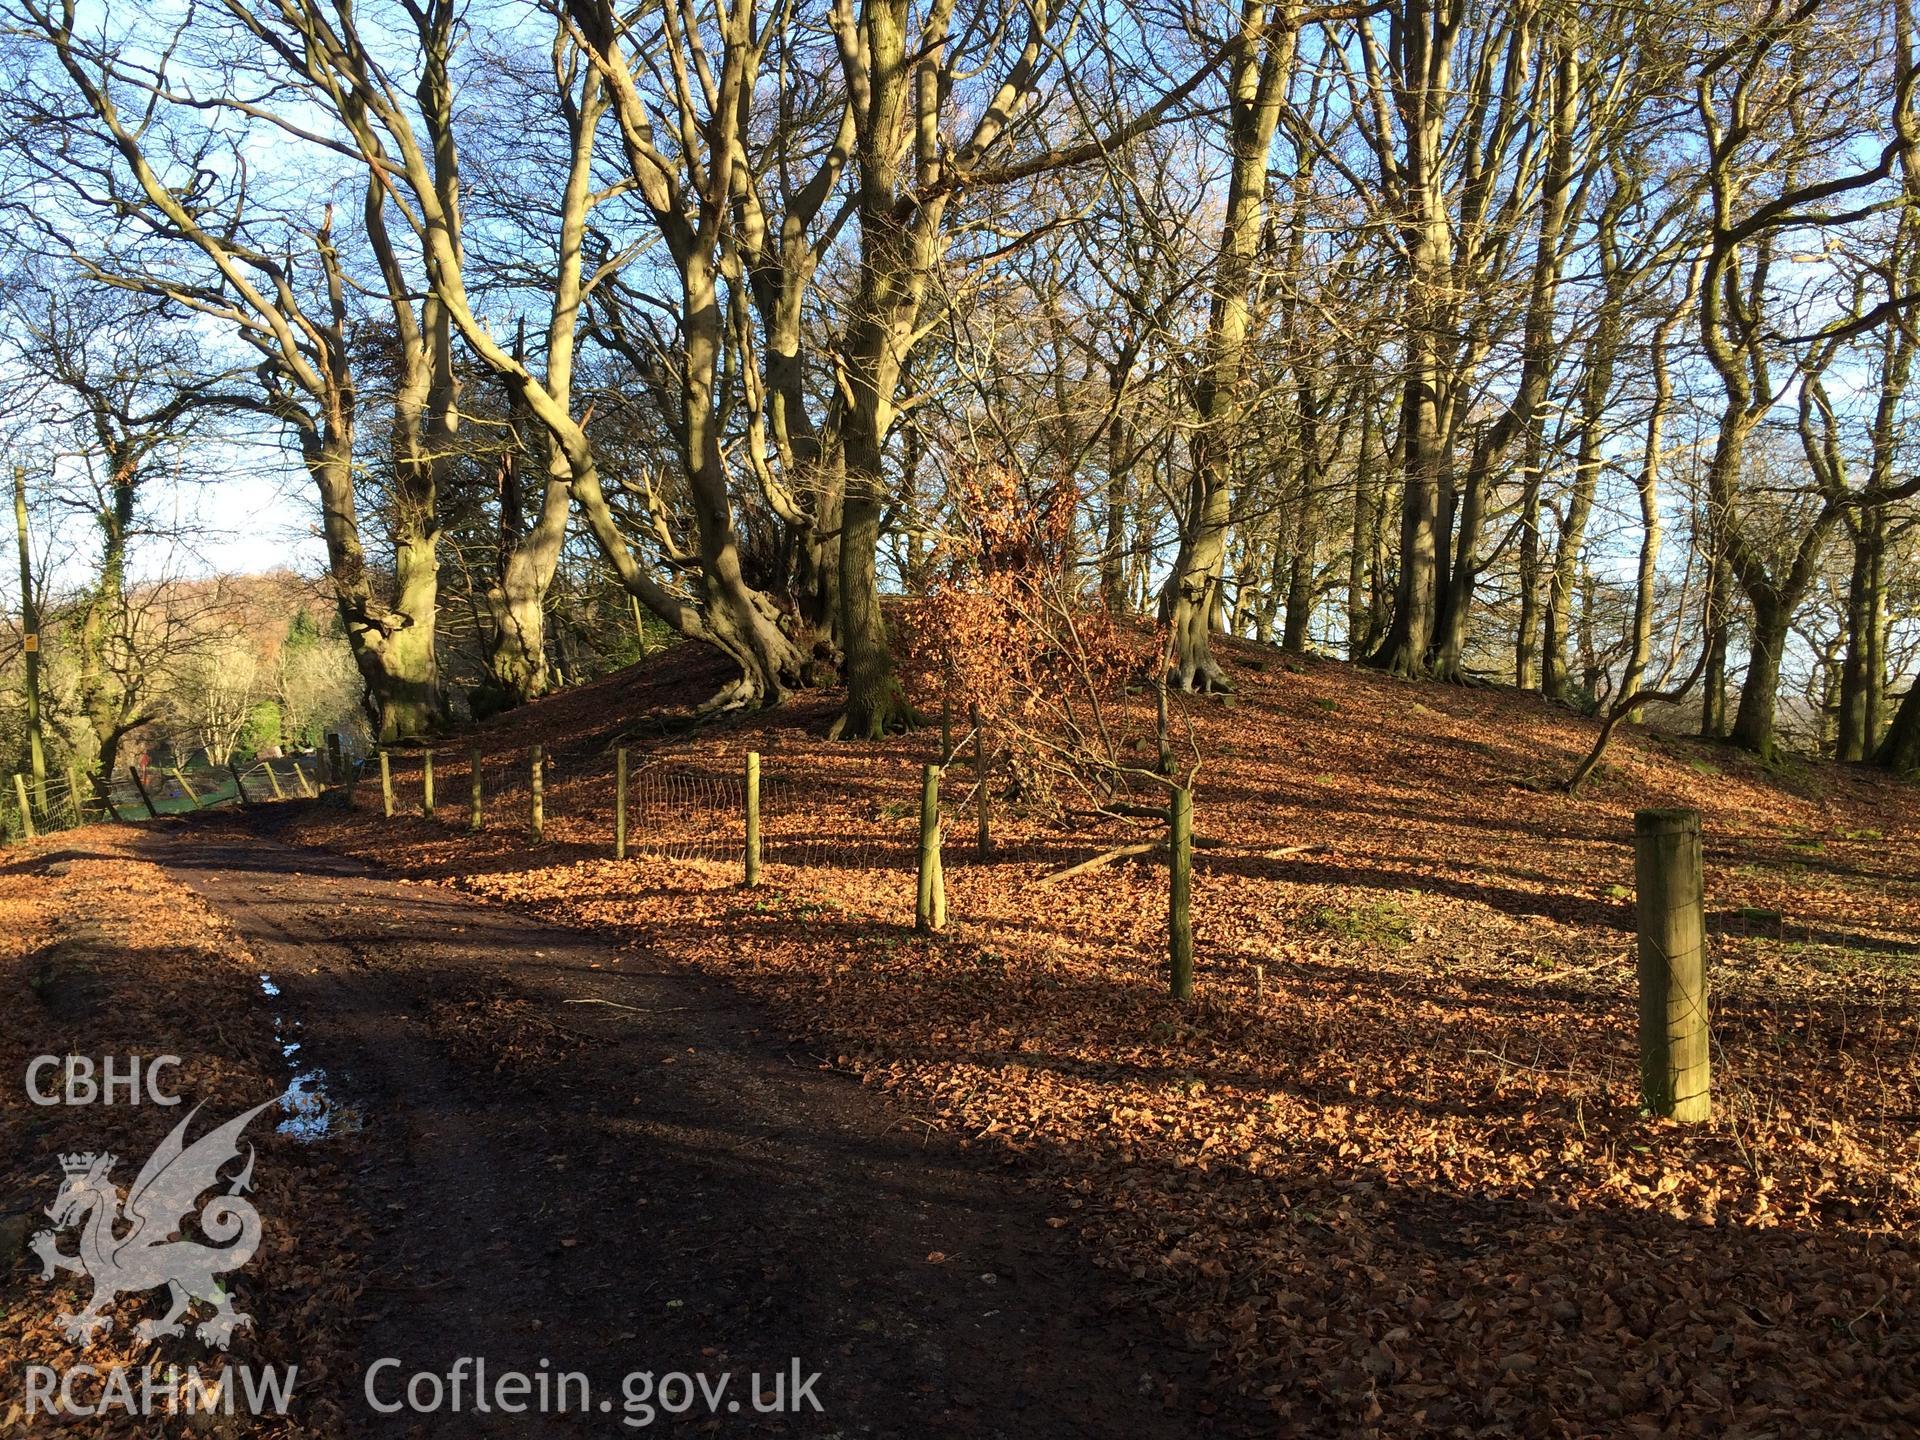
x: 303, y: 631
x: 1383, y: 922
x: 263, y: 729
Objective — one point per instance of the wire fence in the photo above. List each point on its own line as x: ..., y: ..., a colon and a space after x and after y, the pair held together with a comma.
x: 67, y: 798
x: 675, y: 814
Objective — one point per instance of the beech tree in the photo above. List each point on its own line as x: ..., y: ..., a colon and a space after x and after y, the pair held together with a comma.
x: 127, y: 393
x: 176, y: 190
x: 1457, y: 340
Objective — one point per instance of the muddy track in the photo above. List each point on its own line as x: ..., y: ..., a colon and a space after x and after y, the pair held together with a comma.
x: 593, y: 1159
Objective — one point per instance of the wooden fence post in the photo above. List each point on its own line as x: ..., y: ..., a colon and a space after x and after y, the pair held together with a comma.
x: 386, y: 784
x: 26, y: 810
x: 1670, y: 901
x: 273, y: 780
x: 1180, y: 892
x: 620, y: 803
x: 478, y: 819
x: 930, y: 903
x: 983, y: 841
x: 426, y: 783
x: 306, y: 785
x: 753, y: 818
x: 539, y: 820
x: 336, y: 760
x: 193, y: 795
x: 239, y: 785
x: 145, y: 799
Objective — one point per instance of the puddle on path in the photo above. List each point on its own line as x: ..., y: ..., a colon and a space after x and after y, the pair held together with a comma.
x: 314, y: 1112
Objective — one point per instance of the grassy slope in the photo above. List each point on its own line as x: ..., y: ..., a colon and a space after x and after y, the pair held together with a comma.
x: 1390, y: 1166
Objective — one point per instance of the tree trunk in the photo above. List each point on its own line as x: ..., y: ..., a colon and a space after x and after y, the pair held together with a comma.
x: 875, y: 342
x: 524, y: 566
x: 1306, y: 534
x: 1753, y: 722
x: 1426, y: 40
x: 1538, y: 349
x: 1416, y: 597
x: 1256, y: 89
x: 1857, y: 721
x: 108, y: 693
x: 1900, y: 750
x: 1113, y: 579
x: 36, y: 753
x: 1525, y: 673
x: 1359, y: 597
x: 1573, y: 533
x: 1647, y: 484
x: 1595, y: 389
x: 874, y: 702
x: 393, y: 646
x: 898, y: 118
x: 1717, y: 626
x: 401, y: 669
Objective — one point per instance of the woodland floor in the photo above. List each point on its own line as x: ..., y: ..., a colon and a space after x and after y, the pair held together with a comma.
x: 1387, y: 1175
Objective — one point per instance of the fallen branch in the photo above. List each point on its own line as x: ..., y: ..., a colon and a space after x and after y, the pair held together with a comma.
x: 1147, y: 847
x: 1288, y: 852
x: 1105, y: 858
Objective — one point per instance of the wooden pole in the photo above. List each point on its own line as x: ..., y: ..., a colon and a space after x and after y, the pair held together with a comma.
x: 26, y: 810
x: 193, y: 795
x: 306, y: 785
x: 478, y: 819
x: 145, y: 799
x: 386, y: 784
x: 538, y: 825
x: 753, y: 817
x: 273, y: 780
x: 1674, y: 1061
x: 619, y: 803
x: 336, y: 762
x: 983, y: 841
x: 1180, y: 893
x: 939, y: 882
x: 426, y: 783
x: 239, y: 785
x: 930, y: 903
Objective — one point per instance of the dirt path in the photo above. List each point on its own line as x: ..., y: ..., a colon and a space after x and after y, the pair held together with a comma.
x: 588, y: 1159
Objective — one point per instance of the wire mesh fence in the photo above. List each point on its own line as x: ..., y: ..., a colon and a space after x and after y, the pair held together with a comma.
x: 674, y: 812
x: 289, y: 777
x: 683, y: 814
x: 67, y: 798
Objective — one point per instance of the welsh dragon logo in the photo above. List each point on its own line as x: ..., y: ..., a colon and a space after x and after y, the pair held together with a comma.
x: 147, y: 1254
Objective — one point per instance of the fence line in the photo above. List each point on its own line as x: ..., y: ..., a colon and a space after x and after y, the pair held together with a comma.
x: 70, y: 798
